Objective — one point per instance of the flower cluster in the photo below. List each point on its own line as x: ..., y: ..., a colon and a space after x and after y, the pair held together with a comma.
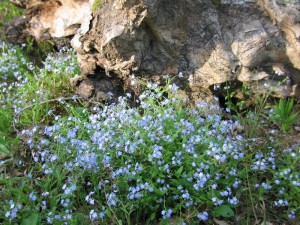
x: 165, y: 158
x: 160, y: 160
x: 13, y: 210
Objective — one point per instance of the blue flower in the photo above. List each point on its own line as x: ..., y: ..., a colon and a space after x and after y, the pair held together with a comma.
x: 111, y: 199
x: 166, y: 213
x: 93, y: 215
x: 233, y: 201
x: 32, y: 196
x: 292, y: 214
x: 156, y: 152
x: 203, y: 216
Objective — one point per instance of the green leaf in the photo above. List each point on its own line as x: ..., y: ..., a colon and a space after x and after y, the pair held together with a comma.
x: 292, y: 118
x: 281, y: 105
x: 108, y: 213
x: 4, y: 149
x: 152, y: 216
x: 31, y: 220
x: 289, y: 105
x: 179, y: 171
x: 223, y: 210
x: 175, y: 182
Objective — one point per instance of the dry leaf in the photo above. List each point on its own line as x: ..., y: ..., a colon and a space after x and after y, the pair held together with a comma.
x: 220, y: 222
x: 266, y: 223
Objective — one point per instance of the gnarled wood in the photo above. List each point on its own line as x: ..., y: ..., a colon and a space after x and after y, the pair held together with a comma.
x: 208, y: 42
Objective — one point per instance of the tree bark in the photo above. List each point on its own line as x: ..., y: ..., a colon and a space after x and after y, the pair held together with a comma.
x: 211, y: 43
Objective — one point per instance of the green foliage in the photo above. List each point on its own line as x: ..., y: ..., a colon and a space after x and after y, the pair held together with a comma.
x: 8, y: 11
x: 3, y: 148
x: 38, y: 50
x: 283, y: 114
x: 96, y: 5
x: 217, y: 2
x: 285, y: 1
x: 250, y: 109
x: 31, y: 220
x: 5, y: 124
x: 31, y: 87
x: 160, y: 162
x: 224, y: 211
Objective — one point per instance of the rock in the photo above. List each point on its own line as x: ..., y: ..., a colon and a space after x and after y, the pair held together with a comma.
x: 85, y: 89
x: 14, y: 30
x: 247, y: 76
x: 19, y: 3
x: 209, y: 42
x: 59, y: 18
x: 75, y: 81
x: 297, y: 128
x: 99, y: 87
x: 53, y: 18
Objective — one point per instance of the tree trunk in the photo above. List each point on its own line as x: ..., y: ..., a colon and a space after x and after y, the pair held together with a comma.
x: 211, y: 43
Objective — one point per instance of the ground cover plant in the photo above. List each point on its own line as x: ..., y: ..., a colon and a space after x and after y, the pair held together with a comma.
x: 7, y: 12
x: 163, y: 162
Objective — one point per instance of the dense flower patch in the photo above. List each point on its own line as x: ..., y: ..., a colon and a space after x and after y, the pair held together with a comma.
x: 163, y: 160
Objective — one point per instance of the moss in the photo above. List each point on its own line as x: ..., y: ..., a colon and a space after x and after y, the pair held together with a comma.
x: 38, y: 50
x: 216, y: 2
x: 96, y: 5
x: 46, y: 46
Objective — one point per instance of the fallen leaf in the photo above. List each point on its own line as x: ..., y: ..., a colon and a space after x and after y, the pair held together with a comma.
x: 220, y: 222
x: 266, y: 223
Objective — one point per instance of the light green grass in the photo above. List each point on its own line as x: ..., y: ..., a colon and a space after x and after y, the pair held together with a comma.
x: 96, y: 5
x: 8, y: 11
